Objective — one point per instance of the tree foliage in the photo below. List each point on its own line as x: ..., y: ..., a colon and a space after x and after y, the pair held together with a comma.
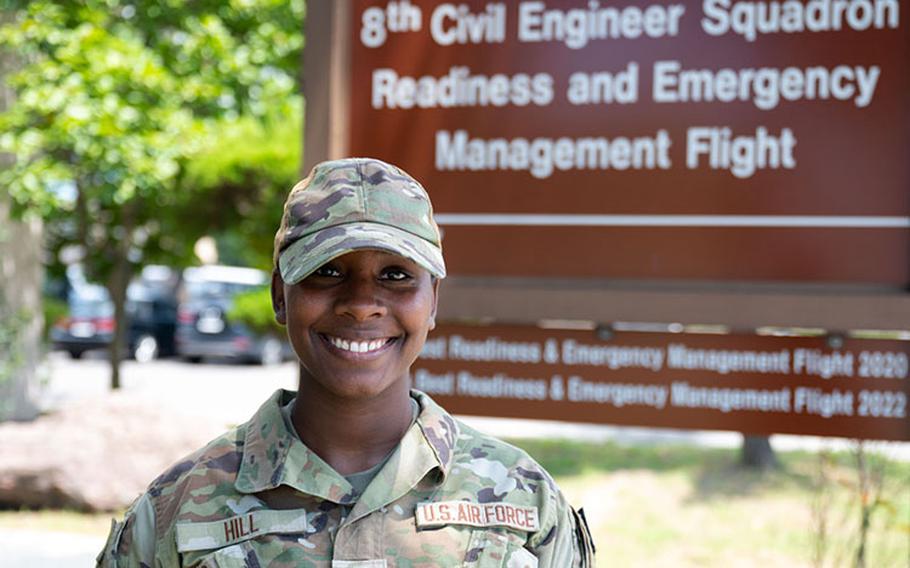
x: 252, y: 168
x: 115, y: 97
x: 254, y: 310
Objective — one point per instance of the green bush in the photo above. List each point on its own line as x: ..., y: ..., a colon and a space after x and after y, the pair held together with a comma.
x: 54, y: 310
x: 254, y: 309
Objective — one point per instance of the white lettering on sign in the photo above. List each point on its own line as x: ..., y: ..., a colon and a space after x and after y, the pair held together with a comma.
x: 434, y: 348
x: 882, y: 404
x: 825, y: 365
x: 724, y: 361
x: 612, y: 356
x: 684, y: 395
x: 749, y: 19
x: 459, y: 88
x: 763, y: 87
x: 493, y: 349
x: 433, y: 383
x: 576, y: 27
x: 451, y: 24
x: 616, y: 394
x: 397, y: 17
x: 442, y: 513
x: 883, y: 365
x: 455, y: 151
x: 821, y: 403
x: 603, y: 87
x: 500, y: 385
x: 741, y: 155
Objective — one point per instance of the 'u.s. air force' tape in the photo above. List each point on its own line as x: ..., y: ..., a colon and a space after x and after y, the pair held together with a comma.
x: 215, y: 534
x: 441, y: 513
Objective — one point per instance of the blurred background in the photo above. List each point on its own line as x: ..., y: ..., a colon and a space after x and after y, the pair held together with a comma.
x: 147, y: 149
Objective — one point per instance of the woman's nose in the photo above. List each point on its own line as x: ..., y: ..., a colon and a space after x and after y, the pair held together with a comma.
x: 360, y: 299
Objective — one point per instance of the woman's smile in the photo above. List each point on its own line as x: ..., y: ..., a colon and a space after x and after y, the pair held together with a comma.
x: 358, y: 346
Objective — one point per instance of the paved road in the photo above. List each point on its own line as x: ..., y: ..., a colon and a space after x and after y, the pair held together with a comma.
x: 31, y: 549
x: 233, y: 391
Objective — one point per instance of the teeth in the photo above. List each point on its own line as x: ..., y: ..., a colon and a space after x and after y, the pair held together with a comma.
x: 357, y: 346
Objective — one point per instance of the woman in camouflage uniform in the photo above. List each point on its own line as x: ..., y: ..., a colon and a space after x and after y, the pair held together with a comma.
x: 355, y: 469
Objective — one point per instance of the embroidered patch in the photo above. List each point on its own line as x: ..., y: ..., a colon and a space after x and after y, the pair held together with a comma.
x: 216, y: 534
x: 438, y: 514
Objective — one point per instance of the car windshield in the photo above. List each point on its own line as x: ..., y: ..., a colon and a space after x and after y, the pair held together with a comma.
x: 214, y: 289
x: 81, y: 308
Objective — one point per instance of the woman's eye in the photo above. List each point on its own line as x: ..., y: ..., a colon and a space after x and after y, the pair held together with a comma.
x: 396, y: 275
x: 327, y: 271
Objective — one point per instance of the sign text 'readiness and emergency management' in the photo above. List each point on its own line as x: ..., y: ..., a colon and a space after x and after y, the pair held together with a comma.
x: 754, y: 384
x: 721, y: 139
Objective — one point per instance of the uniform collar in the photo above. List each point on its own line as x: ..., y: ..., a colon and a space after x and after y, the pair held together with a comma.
x: 439, y: 429
x: 274, y: 456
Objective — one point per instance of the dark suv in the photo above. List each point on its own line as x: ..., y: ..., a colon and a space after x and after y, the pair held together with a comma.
x: 151, y: 314
x: 203, y: 326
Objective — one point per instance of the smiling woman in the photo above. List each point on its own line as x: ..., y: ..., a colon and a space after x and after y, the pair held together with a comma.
x: 356, y: 469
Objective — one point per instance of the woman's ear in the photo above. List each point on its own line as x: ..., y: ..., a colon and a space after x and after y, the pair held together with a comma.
x: 435, y: 303
x: 278, y: 305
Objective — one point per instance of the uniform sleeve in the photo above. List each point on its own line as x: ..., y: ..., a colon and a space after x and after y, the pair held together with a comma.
x: 131, y: 543
x: 565, y: 540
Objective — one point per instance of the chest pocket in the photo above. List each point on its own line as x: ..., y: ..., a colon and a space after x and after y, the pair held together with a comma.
x: 495, y: 549
x: 234, y: 556
x: 252, y: 540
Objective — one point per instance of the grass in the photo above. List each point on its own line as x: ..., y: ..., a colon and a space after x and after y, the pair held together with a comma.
x: 686, y: 506
x: 96, y: 524
x: 682, y: 506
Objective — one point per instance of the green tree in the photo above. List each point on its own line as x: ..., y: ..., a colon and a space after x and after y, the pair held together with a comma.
x: 113, y: 100
x: 252, y: 168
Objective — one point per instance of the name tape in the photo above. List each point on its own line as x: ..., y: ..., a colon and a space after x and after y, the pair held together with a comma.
x: 442, y: 513
x: 216, y: 534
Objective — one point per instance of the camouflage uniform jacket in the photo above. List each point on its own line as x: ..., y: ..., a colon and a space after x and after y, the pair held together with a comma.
x: 257, y: 496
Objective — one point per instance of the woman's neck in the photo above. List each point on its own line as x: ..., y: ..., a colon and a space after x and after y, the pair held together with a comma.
x: 351, y: 435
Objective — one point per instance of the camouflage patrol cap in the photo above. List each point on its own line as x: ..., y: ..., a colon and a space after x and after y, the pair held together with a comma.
x: 353, y: 204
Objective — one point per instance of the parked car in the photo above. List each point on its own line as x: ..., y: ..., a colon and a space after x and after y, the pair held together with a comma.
x: 204, y: 328
x: 89, y: 324
x: 151, y: 315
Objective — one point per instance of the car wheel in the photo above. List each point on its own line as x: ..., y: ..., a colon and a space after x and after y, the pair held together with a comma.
x: 193, y: 359
x: 270, y: 353
x: 76, y: 354
x: 146, y: 349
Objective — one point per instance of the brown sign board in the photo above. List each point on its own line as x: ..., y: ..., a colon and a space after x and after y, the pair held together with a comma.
x: 653, y: 140
x: 745, y: 383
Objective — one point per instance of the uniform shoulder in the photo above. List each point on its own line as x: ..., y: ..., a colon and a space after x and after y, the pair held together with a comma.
x: 221, y: 456
x: 475, y: 444
x: 134, y: 541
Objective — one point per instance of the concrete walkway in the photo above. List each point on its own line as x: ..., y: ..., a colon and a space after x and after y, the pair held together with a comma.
x: 32, y: 549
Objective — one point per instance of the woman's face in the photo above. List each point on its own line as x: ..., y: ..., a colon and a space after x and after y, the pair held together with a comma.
x: 358, y: 322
